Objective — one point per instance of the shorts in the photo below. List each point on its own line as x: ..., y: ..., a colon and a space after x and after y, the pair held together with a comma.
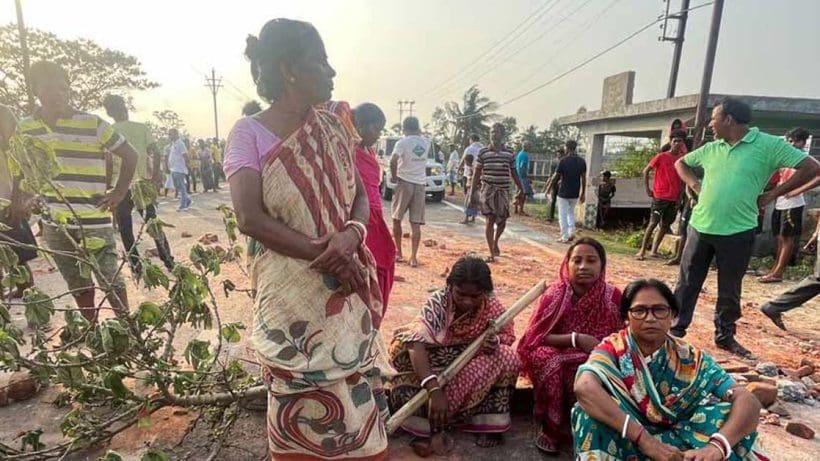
x: 787, y: 223
x: 408, y: 196
x: 495, y: 201
x: 664, y: 211
x: 527, y: 187
x: 106, y: 257
x: 452, y: 177
x: 22, y: 233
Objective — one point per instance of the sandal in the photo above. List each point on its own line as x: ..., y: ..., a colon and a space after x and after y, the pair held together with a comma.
x: 544, y: 446
x: 769, y: 279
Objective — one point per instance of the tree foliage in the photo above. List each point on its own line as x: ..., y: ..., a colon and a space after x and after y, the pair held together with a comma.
x: 472, y: 116
x: 94, y: 71
x: 634, y: 158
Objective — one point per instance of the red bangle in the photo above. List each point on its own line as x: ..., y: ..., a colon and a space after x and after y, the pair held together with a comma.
x: 638, y: 438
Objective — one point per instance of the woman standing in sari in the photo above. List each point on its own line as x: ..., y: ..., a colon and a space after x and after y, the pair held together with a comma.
x: 317, y: 307
x: 477, y: 399
x: 370, y: 121
x: 644, y: 394
x: 575, y: 313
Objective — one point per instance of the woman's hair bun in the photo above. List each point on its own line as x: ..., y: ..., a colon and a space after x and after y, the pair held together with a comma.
x: 251, y: 46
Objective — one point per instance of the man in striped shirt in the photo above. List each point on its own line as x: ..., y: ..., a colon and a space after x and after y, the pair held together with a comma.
x: 79, y: 207
x: 494, y: 168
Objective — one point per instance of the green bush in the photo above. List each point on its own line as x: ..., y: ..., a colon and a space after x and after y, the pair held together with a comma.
x: 634, y: 159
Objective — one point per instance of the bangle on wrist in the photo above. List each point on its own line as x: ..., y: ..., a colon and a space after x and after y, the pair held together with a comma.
x: 433, y: 389
x: 573, y: 337
x: 428, y: 379
x: 719, y: 446
x: 626, y: 426
x: 727, y: 451
x: 640, y: 434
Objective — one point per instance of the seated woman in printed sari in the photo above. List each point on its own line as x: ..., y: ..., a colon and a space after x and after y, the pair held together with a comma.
x: 317, y: 304
x: 644, y: 394
x: 576, y: 312
x: 477, y: 399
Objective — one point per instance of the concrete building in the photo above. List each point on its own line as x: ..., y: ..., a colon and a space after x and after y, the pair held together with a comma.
x: 620, y: 116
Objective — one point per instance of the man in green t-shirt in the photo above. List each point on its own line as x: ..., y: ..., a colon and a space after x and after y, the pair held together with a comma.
x: 737, y: 166
x: 139, y: 136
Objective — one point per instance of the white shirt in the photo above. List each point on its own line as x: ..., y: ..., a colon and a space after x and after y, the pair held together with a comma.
x: 176, y: 157
x: 452, y: 165
x: 412, y: 159
x: 473, y: 150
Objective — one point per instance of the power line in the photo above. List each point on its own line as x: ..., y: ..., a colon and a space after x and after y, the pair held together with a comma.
x: 596, y: 56
x: 474, y: 61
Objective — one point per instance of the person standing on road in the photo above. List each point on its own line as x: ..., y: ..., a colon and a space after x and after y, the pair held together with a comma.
x: 807, y: 289
x: 206, y: 166
x: 370, y: 121
x: 452, y: 168
x: 494, y: 168
x: 552, y: 193
x: 15, y: 212
x: 83, y: 209
x: 139, y: 136
x: 606, y: 191
x: 736, y: 166
x: 665, y: 193
x: 408, y: 171
x: 177, y: 154
x: 471, y: 151
x: 572, y: 172
x: 787, y: 218
x: 522, y: 167
x: 216, y: 155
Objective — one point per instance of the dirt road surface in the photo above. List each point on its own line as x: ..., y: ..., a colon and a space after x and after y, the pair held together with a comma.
x: 530, y: 254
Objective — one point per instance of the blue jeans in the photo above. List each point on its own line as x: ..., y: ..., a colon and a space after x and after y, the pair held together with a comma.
x: 182, y: 188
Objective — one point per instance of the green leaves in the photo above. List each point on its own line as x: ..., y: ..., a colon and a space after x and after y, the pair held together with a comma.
x: 93, y: 244
x: 153, y: 276
x: 230, y: 331
x: 8, y: 258
x: 110, y: 455
x: 35, y: 161
x: 114, y: 337
x: 229, y: 219
x: 198, y: 354
x: 16, y: 276
x: 149, y: 313
x: 113, y: 381
x: 32, y: 439
x: 206, y: 259
x: 154, y: 454
x: 39, y: 308
x: 154, y: 228
x: 144, y: 193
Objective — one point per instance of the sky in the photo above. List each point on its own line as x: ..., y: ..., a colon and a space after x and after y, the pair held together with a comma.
x: 431, y: 51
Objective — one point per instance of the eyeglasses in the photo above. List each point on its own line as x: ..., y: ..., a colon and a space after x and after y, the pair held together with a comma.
x: 660, y: 312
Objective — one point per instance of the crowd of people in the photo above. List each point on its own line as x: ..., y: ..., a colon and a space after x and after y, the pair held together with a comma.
x: 611, y: 373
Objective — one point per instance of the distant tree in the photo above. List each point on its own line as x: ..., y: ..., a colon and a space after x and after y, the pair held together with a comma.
x: 396, y: 129
x: 474, y: 115
x: 511, y: 126
x: 94, y: 71
x: 163, y: 121
x: 442, y: 127
x: 633, y: 160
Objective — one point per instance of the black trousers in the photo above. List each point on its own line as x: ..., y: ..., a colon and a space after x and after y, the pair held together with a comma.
x: 732, y: 254
x: 126, y: 227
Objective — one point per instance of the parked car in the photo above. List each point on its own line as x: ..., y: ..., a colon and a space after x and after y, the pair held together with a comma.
x: 436, y: 176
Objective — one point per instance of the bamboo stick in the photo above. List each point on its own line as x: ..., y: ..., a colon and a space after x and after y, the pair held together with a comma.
x: 464, y: 358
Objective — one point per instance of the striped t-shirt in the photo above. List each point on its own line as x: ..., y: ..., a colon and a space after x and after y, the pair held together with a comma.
x: 495, y: 167
x: 80, y: 143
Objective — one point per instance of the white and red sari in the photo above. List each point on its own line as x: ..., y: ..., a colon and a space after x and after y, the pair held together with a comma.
x: 319, y: 346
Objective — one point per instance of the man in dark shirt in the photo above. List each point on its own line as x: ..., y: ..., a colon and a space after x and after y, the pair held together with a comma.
x: 606, y: 190
x: 571, y: 171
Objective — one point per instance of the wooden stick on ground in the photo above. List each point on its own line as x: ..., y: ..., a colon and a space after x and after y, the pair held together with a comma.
x: 464, y: 358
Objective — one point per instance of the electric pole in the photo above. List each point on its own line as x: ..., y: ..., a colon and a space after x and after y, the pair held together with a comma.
x: 708, y: 67
x: 214, y: 84
x: 411, y: 106
x: 681, y: 17
x: 21, y: 28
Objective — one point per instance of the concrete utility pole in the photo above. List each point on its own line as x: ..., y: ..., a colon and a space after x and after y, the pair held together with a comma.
x: 708, y: 67
x: 401, y: 111
x: 678, y: 41
x: 214, y: 84
x: 21, y: 28
x: 411, y: 106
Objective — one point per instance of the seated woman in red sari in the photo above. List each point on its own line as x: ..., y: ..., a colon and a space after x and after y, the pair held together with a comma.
x: 370, y: 121
x: 317, y: 304
x: 477, y: 399
x: 644, y: 394
x: 575, y: 313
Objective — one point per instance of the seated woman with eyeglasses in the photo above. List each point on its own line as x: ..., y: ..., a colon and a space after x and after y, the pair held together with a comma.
x: 644, y: 394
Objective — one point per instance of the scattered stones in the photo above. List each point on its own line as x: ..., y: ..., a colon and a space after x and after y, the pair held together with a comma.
x: 791, y: 391
x: 405, y: 235
x: 806, y: 361
x: 808, y: 382
x: 772, y: 419
x: 804, y: 371
x: 430, y: 243
x: 767, y: 380
x: 208, y: 238
x: 767, y: 369
x: 815, y: 377
x: 4, y: 398
x: 736, y: 367
x: 751, y: 377
x: 442, y: 247
x: 766, y: 393
x: 185, y: 235
x: 399, y: 278
x: 21, y: 386
x: 800, y: 430
x: 152, y: 253
x: 180, y: 411
x: 779, y: 409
